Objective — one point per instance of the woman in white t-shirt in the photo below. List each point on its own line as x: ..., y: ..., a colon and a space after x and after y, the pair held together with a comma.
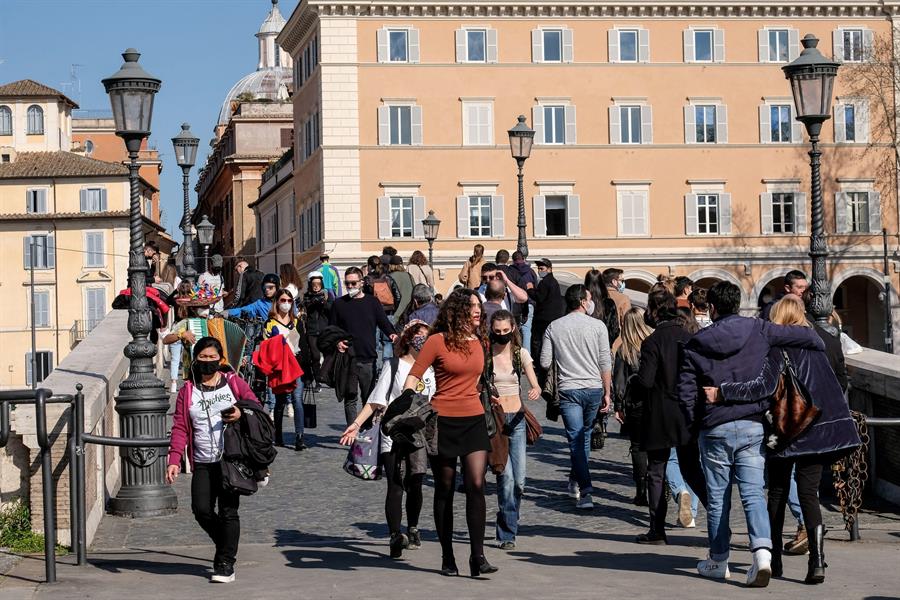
x: 509, y: 362
x: 404, y: 470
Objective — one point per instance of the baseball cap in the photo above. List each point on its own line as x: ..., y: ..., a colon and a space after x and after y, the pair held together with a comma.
x: 544, y: 262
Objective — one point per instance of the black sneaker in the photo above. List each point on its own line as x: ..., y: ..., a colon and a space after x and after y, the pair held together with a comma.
x: 508, y: 546
x: 415, y: 540
x: 299, y: 445
x: 223, y: 574
x: 399, y: 541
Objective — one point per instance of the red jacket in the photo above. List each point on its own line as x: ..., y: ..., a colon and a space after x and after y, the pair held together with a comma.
x: 277, y: 362
x: 183, y: 428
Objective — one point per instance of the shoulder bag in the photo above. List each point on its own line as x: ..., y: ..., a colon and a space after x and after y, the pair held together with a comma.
x: 792, y: 410
x: 362, y: 459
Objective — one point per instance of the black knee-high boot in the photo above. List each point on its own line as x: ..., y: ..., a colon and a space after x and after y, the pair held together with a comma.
x: 816, y: 572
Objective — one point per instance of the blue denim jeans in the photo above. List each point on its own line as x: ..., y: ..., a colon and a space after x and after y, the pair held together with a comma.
x: 794, y: 500
x: 511, y: 483
x: 578, y: 409
x: 296, y: 400
x: 730, y: 452
x: 175, y: 350
x: 383, y: 345
x: 525, y: 329
x: 677, y: 484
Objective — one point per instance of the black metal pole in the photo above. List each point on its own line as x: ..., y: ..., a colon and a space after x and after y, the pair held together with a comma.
x: 820, y: 306
x: 40, y: 410
x: 72, y: 450
x: 522, y: 242
x: 431, y: 254
x: 81, y: 533
x: 143, y: 400
x: 187, y: 258
x: 205, y: 258
x: 888, y: 317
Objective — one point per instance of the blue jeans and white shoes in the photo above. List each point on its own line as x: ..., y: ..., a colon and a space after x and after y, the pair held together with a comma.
x: 511, y: 483
x: 729, y: 452
x: 677, y: 487
x: 578, y: 409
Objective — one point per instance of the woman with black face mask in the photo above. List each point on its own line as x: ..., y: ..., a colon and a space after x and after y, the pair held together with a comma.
x: 508, y: 362
x: 205, y: 404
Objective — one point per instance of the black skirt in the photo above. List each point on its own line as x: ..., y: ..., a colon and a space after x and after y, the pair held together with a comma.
x: 458, y: 436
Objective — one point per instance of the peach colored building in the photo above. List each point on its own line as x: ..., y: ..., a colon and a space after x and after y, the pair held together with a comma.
x: 665, y: 138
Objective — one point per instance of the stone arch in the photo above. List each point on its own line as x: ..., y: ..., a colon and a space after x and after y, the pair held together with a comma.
x: 722, y: 275
x: 641, y: 275
x: 766, y: 279
x: 858, y: 297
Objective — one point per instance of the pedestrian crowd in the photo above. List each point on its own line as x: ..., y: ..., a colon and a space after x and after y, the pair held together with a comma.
x: 707, y: 398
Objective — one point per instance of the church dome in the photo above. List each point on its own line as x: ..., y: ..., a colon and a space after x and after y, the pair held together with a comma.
x: 274, y: 22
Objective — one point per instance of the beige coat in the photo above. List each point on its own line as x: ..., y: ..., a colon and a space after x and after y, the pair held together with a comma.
x: 420, y: 274
x: 470, y: 274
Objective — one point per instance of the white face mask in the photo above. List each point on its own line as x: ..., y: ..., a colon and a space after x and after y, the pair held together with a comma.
x: 284, y: 306
x: 622, y: 287
x: 542, y: 274
x: 589, y: 309
x: 353, y: 292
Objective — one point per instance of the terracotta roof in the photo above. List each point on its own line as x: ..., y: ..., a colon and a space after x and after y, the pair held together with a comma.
x: 59, y: 164
x: 31, y: 88
x: 110, y: 214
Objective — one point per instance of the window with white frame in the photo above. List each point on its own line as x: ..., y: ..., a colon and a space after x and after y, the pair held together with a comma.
x: 557, y: 212
x: 480, y: 216
x: 780, y: 123
x: 633, y: 211
x: 628, y: 45
x: 398, y: 44
x: 858, y: 212
x: 704, y: 45
x: 779, y: 45
x: 41, y: 308
x: 478, y: 123
x: 851, y: 121
x: 630, y: 124
x: 552, y: 45
x: 853, y: 45
x: 95, y: 308
x: 707, y: 213
x: 311, y: 135
x: 6, y: 125
x: 88, y: 148
x: 784, y: 212
x: 43, y: 248
x: 93, y: 249
x: 43, y: 363
x: 35, y: 125
x: 476, y: 45
x: 401, y: 125
x: 555, y: 215
x: 402, y: 216
x: 705, y: 124
x: 554, y: 124
x: 93, y: 199
x: 36, y: 201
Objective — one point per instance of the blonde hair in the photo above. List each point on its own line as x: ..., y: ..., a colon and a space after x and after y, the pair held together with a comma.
x: 789, y: 311
x: 634, y: 332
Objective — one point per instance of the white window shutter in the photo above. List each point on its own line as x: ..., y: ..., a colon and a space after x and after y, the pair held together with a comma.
x: 762, y: 37
x: 539, y: 218
x: 721, y: 124
x: 82, y: 200
x: 470, y: 113
x: 690, y: 214
x: 837, y: 37
x: 384, y: 125
x: 724, y: 214
x: 688, y: 35
x: 841, y: 220
x: 719, y: 45
x: 51, y: 251
x: 644, y: 203
x: 793, y: 44
x: 615, y: 126
x: 647, y: 124
x: 461, y: 45
x: 796, y: 130
x: 103, y: 205
x: 537, y: 123
x: 868, y: 45
x: 612, y: 43
x: 383, y: 50
x: 874, y: 212
x: 801, y: 219
x: 840, y: 124
x: 765, y: 124
x: 412, y: 38
x: 765, y: 213
x: 28, y: 366
x: 690, y: 125
x: 568, y: 46
x: 384, y: 217
x: 416, y: 124
x: 492, y: 47
x: 571, y: 130
x: 573, y: 215
x: 418, y: 215
x: 42, y: 200
x: 496, y: 216
x: 643, y: 45
x: 462, y: 216
x: 862, y: 121
x: 537, y: 46
x: 26, y: 252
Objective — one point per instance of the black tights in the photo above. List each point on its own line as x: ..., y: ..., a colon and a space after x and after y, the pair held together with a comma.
x: 396, y: 485
x: 808, y: 476
x: 444, y: 471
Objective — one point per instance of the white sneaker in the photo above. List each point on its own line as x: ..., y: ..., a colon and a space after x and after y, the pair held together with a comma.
x: 174, y: 387
x: 223, y: 575
x: 761, y: 570
x: 714, y: 569
x: 585, y: 502
x: 691, y: 525
x: 574, y: 492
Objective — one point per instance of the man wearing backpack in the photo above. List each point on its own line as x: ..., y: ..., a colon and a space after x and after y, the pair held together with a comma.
x: 378, y: 283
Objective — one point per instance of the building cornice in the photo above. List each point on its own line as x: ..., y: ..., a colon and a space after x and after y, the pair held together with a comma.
x: 309, y: 10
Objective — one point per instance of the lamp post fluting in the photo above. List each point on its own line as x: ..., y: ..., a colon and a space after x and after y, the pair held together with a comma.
x: 812, y: 83
x: 430, y: 226
x: 143, y: 401
x: 521, y: 139
x: 185, y: 144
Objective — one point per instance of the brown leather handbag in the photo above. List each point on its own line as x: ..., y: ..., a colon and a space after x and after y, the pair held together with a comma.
x: 533, y: 429
x: 792, y: 410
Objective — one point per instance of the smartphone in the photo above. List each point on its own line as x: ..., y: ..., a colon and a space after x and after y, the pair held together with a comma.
x: 227, y: 412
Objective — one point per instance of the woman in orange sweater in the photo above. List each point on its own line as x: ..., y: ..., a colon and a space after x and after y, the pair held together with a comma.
x: 456, y: 352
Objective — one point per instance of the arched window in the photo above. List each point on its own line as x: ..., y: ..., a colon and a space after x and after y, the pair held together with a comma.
x: 35, y: 120
x: 5, y: 120
x: 88, y: 147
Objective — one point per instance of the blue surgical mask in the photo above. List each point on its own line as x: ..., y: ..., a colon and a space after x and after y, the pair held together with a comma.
x: 622, y: 287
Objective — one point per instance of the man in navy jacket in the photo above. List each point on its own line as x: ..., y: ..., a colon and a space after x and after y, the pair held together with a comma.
x: 731, y: 435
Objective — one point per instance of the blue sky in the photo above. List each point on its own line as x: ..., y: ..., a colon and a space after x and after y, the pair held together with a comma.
x: 199, y: 48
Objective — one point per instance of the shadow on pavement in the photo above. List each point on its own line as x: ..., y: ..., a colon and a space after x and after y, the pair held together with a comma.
x: 123, y: 562
x: 336, y: 553
x: 643, y: 562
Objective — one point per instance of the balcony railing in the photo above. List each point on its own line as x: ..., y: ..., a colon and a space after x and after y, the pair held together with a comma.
x: 81, y: 329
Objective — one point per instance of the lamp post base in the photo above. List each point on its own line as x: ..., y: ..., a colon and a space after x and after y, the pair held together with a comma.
x: 147, y: 501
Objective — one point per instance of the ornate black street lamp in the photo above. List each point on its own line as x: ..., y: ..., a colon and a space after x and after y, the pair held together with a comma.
x: 205, y: 231
x: 143, y: 400
x: 186, y: 155
x: 812, y: 82
x: 430, y: 225
x: 521, y: 138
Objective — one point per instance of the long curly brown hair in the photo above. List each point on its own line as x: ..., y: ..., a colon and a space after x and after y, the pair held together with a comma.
x: 454, y: 320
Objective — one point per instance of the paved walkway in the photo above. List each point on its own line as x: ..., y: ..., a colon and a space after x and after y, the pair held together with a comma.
x: 316, y: 532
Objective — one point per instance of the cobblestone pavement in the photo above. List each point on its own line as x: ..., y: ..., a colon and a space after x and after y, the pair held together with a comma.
x: 315, y: 517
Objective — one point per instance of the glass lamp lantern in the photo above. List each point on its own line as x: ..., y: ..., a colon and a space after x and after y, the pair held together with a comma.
x: 131, y: 91
x: 521, y: 138
x: 430, y: 225
x: 812, y: 84
x: 185, y: 147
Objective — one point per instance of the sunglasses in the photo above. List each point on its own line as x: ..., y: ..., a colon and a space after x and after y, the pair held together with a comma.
x: 351, y: 283
x: 489, y: 277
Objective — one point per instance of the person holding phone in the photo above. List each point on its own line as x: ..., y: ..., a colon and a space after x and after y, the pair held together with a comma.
x: 204, y: 406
